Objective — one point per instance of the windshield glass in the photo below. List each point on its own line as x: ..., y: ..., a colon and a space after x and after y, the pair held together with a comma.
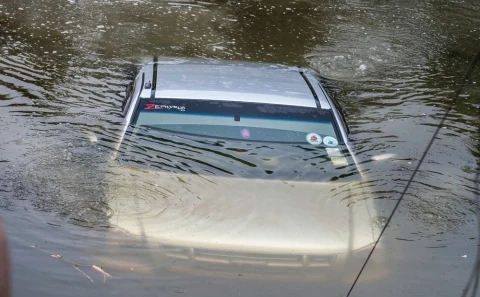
x: 239, y: 120
x: 244, y: 140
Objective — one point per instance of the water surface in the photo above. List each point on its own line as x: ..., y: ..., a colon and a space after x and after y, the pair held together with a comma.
x: 395, y: 68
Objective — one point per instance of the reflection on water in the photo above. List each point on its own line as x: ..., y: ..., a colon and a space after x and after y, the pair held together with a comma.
x: 63, y: 68
x: 181, y: 153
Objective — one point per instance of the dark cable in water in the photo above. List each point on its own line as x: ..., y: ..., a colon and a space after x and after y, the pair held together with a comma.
x: 476, y: 269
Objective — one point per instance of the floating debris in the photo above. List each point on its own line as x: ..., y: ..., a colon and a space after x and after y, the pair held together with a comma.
x: 77, y: 266
x: 86, y: 275
x: 101, y: 271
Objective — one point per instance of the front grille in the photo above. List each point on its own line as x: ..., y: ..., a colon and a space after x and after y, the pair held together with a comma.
x: 260, y: 260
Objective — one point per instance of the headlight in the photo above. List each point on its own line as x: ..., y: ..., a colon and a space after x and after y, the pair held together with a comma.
x: 376, y: 268
x: 363, y: 252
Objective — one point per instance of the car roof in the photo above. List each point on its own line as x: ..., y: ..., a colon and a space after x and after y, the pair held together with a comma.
x: 232, y: 81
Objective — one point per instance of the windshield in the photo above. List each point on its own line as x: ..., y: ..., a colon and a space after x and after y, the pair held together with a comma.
x: 239, y: 120
x: 246, y: 140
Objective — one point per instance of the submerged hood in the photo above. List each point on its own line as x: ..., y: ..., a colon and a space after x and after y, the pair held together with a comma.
x: 251, y: 215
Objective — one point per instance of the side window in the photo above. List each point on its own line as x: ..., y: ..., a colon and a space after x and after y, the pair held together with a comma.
x: 331, y: 97
x: 342, y: 116
x: 132, y: 91
x: 128, y: 95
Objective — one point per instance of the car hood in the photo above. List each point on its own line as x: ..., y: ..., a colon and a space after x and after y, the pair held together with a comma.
x: 248, y: 215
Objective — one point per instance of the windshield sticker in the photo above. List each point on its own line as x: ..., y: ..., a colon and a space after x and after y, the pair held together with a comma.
x: 150, y: 106
x: 334, y: 152
x: 339, y: 161
x: 245, y: 133
x: 314, y: 138
x: 330, y: 141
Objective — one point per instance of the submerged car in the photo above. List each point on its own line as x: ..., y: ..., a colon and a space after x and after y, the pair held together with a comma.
x: 240, y: 164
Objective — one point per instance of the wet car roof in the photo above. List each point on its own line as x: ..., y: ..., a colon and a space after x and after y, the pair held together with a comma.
x: 235, y: 81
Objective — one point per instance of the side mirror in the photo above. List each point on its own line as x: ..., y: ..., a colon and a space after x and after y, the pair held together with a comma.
x: 128, y: 91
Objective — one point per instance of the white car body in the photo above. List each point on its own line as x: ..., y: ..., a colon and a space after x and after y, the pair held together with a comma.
x: 221, y: 220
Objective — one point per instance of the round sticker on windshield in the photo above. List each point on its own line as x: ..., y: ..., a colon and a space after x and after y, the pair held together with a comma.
x: 330, y: 141
x: 314, y: 138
